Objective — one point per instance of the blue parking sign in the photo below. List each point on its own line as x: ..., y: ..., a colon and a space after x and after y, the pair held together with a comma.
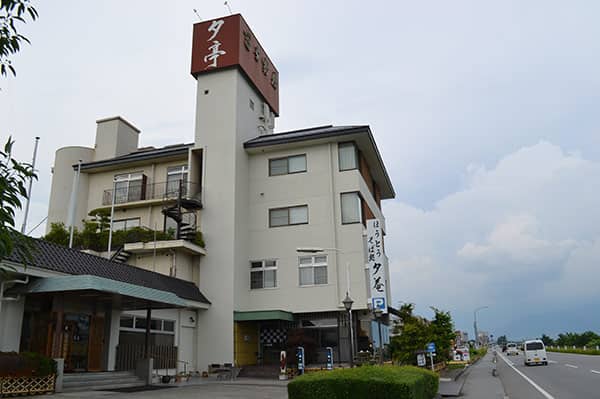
x: 379, y: 303
x: 431, y: 347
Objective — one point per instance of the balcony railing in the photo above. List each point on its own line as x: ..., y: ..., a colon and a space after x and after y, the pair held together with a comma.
x: 138, y: 190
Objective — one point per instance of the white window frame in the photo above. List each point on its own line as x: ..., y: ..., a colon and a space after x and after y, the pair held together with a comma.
x: 289, y: 209
x: 360, y: 211
x: 134, y: 329
x: 182, y: 172
x: 312, y: 265
x: 287, y: 159
x: 356, y: 156
x: 263, y: 269
x: 126, y: 178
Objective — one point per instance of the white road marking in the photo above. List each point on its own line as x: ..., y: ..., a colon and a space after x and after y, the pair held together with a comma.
x: 570, y: 365
x: 445, y: 379
x: 529, y: 380
x: 595, y: 372
x: 552, y: 361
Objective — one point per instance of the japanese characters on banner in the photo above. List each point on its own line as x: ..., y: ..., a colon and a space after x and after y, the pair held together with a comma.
x: 376, y: 263
x: 214, y: 49
x: 228, y: 41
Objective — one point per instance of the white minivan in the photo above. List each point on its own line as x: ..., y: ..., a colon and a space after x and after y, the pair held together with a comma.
x: 535, y: 352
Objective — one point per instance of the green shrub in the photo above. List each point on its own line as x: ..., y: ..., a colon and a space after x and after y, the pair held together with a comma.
x: 373, y: 382
x: 26, y: 364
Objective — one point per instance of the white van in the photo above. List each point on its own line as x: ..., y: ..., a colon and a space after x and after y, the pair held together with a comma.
x: 535, y: 352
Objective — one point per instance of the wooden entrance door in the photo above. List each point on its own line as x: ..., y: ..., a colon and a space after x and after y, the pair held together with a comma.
x: 96, y: 343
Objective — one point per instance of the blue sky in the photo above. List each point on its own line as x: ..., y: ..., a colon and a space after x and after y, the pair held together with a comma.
x: 485, y: 114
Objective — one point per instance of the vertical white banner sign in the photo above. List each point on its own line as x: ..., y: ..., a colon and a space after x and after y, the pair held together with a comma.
x: 376, y: 262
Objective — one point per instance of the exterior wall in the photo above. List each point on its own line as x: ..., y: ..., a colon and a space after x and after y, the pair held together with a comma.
x: 224, y: 121
x: 319, y: 188
x: 246, y: 343
x: 11, y: 321
x: 62, y: 185
x: 181, y: 264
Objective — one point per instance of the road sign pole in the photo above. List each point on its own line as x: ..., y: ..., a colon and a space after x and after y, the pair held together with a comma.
x: 431, y: 357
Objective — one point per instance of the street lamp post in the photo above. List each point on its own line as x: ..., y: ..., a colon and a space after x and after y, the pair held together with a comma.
x: 475, y: 323
x: 348, y: 305
x: 378, y: 313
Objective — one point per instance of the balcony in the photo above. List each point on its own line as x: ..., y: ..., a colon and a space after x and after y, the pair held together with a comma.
x: 138, y: 190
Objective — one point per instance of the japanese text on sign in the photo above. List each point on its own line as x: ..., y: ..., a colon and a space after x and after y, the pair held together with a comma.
x: 376, y: 261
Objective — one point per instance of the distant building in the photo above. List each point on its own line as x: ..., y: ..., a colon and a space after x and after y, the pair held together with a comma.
x: 461, y: 338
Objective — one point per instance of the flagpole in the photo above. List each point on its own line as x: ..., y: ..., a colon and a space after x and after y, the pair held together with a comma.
x: 73, y: 207
x: 24, y: 226
x: 112, y: 216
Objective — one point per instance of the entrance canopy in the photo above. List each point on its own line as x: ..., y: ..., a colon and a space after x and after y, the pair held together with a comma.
x: 263, y: 315
x: 123, y: 295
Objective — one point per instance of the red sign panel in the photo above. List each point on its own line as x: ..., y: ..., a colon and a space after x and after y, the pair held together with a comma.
x: 227, y: 42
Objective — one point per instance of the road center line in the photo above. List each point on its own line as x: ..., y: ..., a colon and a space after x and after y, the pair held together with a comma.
x: 570, y: 365
x: 529, y: 380
x: 595, y: 372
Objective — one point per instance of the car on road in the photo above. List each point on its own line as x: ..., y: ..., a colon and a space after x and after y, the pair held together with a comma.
x: 511, y: 349
x: 535, y: 352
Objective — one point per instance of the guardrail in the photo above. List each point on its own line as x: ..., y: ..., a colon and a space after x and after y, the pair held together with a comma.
x: 139, y: 190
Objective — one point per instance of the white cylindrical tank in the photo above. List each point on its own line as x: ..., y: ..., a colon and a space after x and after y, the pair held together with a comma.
x: 62, y: 184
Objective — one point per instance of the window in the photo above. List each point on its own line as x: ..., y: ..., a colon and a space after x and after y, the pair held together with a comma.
x: 313, y: 270
x: 287, y: 165
x: 288, y: 216
x: 351, y: 208
x: 126, y: 321
x: 174, y: 175
x: 263, y: 274
x: 129, y: 187
x: 534, y: 346
x: 125, y: 224
x: 348, y: 156
x: 138, y: 323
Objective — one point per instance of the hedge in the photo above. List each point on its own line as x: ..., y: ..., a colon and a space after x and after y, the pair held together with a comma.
x: 373, y: 382
x: 25, y: 364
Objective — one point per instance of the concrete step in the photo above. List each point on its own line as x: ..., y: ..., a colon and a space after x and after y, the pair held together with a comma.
x: 108, y: 382
x: 67, y: 377
x: 106, y: 387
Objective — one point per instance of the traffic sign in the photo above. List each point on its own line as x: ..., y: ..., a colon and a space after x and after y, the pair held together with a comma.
x: 431, y: 347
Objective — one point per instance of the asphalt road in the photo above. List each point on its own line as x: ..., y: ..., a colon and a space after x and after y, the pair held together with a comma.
x: 567, y: 376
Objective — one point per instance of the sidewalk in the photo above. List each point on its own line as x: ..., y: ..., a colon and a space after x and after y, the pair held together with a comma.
x: 480, y: 383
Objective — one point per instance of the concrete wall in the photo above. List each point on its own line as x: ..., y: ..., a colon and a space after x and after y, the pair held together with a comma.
x: 62, y: 184
x: 319, y: 188
x: 224, y: 121
x: 114, y: 137
x: 11, y: 322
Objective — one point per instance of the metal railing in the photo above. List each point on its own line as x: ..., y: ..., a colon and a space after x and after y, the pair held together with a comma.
x: 165, y: 356
x: 138, y: 190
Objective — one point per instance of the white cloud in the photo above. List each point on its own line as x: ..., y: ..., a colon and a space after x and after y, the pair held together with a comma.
x: 520, y: 234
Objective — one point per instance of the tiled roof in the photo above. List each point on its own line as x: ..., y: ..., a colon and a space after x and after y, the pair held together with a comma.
x: 141, y: 154
x: 57, y: 258
x: 304, y: 134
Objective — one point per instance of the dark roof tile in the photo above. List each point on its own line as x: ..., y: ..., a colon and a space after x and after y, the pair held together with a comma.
x: 57, y: 258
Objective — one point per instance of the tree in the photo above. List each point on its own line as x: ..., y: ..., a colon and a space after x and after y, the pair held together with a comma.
x: 502, y: 340
x: 11, y: 13
x: 13, y: 178
x: 441, y: 331
x: 547, y: 340
x: 415, y: 332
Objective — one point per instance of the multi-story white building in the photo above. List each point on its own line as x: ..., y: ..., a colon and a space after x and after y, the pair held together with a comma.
x: 257, y: 197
